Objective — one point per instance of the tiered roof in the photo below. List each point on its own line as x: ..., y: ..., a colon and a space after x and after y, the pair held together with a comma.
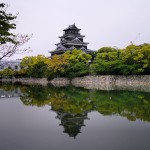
x: 70, y: 40
x: 72, y: 27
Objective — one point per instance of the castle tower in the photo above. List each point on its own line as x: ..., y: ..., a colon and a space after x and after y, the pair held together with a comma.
x: 71, y: 39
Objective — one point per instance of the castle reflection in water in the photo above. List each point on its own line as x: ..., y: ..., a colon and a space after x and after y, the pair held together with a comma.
x: 72, y: 105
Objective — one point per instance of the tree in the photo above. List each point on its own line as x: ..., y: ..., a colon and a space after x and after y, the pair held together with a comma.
x: 137, y: 58
x: 106, y: 61
x: 78, y: 63
x: 35, y: 66
x: 10, y: 43
x: 57, y: 65
x: 78, y: 56
x: 7, y: 73
x: 39, y: 70
x: 6, y: 25
x: 77, y: 69
x: 133, y: 60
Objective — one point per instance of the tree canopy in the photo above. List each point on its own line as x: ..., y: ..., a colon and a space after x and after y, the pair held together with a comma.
x: 6, y: 24
x: 9, y: 42
x: 34, y: 66
x: 133, y: 60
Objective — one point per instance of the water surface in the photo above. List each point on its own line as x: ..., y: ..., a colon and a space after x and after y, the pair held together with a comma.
x: 69, y: 118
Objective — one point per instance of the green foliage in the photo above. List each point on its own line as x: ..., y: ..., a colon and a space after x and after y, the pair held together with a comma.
x: 10, y: 43
x: 70, y: 64
x: 34, y: 66
x: 138, y: 56
x: 57, y: 65
x: 7, y: 73
x: 78, y: 56
x: 106, y: 61
x: 39, y: 70
x: 6, y: 24
x: 77, y: 69
x: 78, y: 63
x: 133, y: 60
x: 106, y: 50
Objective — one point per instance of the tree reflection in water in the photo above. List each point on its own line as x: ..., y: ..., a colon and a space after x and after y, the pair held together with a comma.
x: 72, y: 104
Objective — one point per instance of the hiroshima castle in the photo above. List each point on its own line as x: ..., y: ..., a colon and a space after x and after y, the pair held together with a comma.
x: 71, y: 39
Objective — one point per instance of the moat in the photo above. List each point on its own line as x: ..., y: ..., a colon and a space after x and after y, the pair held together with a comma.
x: 37, y: 117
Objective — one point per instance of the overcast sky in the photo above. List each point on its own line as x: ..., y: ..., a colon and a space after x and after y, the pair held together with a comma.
x: 103, y: 22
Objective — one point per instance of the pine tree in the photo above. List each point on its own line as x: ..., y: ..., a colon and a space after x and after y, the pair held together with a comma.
x: 6, y: 24
x: 10, y: 43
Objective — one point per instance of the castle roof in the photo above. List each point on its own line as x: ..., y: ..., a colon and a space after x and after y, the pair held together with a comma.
x: 72, y: 27
x: 71, y: 39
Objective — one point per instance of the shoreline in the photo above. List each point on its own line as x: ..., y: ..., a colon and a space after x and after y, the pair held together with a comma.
x: 98, y: 82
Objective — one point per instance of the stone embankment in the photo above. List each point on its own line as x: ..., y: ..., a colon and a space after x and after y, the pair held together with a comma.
x: 103, y: 82
x: 114, y: 82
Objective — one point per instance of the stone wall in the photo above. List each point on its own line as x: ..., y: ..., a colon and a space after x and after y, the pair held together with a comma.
x: 94, y: 82
x: 108, y: 82
x: 102, y: 82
